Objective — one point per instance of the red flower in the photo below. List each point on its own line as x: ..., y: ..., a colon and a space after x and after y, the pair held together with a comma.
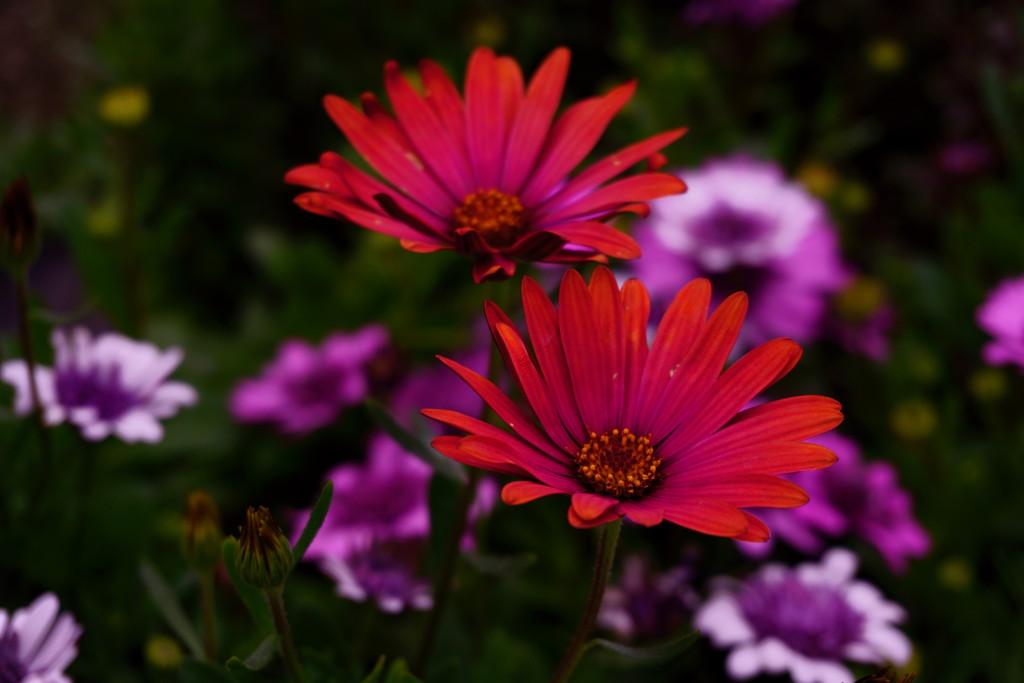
x: 486, y: 177
x: 649, y: 434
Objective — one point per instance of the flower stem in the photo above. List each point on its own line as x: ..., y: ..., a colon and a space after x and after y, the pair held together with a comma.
x: 25, y: 339
x: 602, y: 571
x: 275, y: 597
x: 209, y: 611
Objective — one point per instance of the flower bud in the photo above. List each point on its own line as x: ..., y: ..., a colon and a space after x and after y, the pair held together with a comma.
x: 887, y: 675
x: 202, y: 537
x: 264, y: 557
x: 19, y: 239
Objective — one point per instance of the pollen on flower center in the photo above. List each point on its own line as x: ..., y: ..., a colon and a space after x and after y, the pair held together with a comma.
x: 496, y: 216
x: 618, y: 464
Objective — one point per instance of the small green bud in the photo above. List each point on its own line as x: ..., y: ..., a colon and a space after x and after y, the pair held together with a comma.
x: 202, y: 537
x: 19, y: 238
x: 264, y: 557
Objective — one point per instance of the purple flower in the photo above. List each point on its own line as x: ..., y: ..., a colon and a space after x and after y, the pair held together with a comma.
x: 107, y: 385
x: 851, y: 497
x: 36, y: 644
x: 376, y: 530
x: 744, y: 226
x: 745, y: 11
x: 1002, y: 316
x: 646, y: 605
x: 806, y: 621
x: 965, y: 157
x: 305, y: 388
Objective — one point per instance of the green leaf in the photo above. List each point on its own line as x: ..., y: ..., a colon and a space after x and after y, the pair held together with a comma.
x: 414, y: 444
x: 197, y: 671
x: 649, y: 655
x: 399, y: 673
x: 253, y: 598
x: 259, y: 658
x: 316, y: 520
x: 503, y: 566
x: 378, y: 671
x: 165, y: 601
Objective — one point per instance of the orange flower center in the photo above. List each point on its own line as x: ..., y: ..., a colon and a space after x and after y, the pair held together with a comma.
x: 618, y: 464
x: 496, y: 216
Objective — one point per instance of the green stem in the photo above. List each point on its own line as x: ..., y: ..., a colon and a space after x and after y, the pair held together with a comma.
x: 25, y: 338
x: 209, y: 612
x: 602, y: 571
x: 131, y: 252
x: 275, y: 597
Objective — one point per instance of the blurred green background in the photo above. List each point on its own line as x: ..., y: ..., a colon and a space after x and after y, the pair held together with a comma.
x: 155, y: 135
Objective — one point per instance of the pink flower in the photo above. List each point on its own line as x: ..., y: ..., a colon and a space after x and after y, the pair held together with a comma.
x: 486, y: 175
x: 851, y: 497
x: 1002, y: 316
x: 305, y: 388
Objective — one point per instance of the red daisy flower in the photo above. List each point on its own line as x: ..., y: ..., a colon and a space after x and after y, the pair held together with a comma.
x: 487, y: 176
x: 651, y: 434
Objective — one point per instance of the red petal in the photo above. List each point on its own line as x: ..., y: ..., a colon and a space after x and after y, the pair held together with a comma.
x: 443, y: 97
x: 613, y: 165
x: 705, y: 461
x: 597, y: 236
x: 423, y: 247
x: 367, y: 188
x: 542, y: 323
x: 757, y: 531
x: 636, y: 308
x: 537, y: 465
x: 641, y: 512
x: 485, y: 117
x: 530, y: 383
x: 384, y: 122
x: 336, y: 207
x: 590, y: 506
x: 688, y: 387
x: 571, y: 139
x: 788, y: 419
x: 451, y: 447
x: 508, y: 411
x: 711, y: 517
x: 387, y: 158
x: 677, y: 331
x: 580, y: 523
x: 519, y: 492
x: 584, y: 353
x: 741, y: 490
x: 730, y: 393
x: 430, y: 139
x: 638, y: 188
x: 608, y: 316
x: 530, y: 128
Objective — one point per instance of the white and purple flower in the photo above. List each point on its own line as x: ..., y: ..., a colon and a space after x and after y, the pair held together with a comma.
x: 1002, y: 316
x: 746, y: 227
x: 305, y: 388
x: 105, y: 385
x: 806, y: 621
x: 37, y: 643
x: 646, y: 604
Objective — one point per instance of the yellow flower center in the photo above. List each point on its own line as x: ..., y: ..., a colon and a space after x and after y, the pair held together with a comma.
x: 496, y: 216
x: 618, y: 464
